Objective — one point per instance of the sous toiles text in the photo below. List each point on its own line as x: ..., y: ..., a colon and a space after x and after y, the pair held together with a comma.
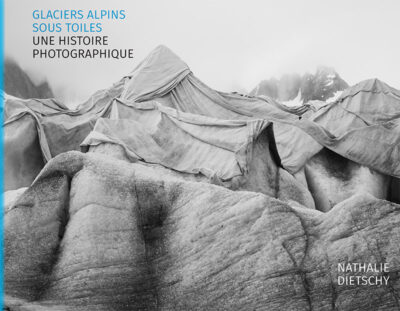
x: 74, y: 21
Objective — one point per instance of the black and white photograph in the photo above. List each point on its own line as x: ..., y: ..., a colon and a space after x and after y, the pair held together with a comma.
x: 201, y: 155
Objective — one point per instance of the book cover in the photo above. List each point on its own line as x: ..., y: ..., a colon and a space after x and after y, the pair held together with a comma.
x: 200, y: 155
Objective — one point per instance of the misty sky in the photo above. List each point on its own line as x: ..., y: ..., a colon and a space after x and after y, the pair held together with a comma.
x: 229, y: 44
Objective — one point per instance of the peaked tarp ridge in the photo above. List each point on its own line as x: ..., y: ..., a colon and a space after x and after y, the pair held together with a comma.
x: 156, y: 75
x: 190, y: 95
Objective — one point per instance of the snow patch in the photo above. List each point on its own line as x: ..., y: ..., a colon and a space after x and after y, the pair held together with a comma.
x: 8, y: 96
x: 297, y: 101
x: 329, y: 83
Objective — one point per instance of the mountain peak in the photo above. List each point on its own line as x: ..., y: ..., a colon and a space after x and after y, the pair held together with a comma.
x: 296, y: 89
x: 18, y: 83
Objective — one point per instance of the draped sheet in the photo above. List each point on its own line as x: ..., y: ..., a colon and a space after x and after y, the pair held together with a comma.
x: 362, y: 125
x: 183, y: 142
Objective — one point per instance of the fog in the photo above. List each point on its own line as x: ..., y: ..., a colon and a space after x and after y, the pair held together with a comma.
x: 230, y: 45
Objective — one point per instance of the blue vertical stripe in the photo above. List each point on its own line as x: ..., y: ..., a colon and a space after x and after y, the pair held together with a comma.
x: 1, y: 154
